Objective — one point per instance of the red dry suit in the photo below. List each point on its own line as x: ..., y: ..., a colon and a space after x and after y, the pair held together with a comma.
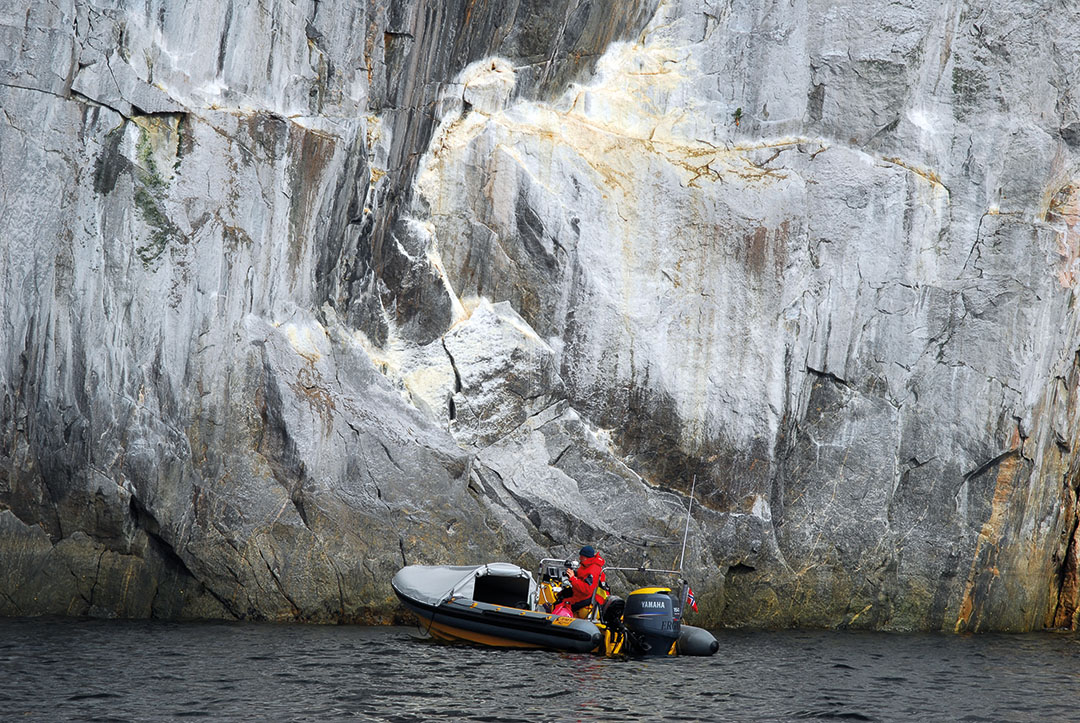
x: 585, y: 581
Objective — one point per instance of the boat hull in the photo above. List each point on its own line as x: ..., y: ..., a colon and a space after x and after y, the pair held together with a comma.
x: 461, y: 619
x: 696, y: 641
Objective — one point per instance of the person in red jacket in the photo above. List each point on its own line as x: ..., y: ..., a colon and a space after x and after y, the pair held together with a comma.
x: 585, y: 580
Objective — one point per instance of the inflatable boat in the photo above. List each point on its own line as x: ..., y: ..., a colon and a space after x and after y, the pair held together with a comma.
x: 500, y: 604
x: 488, y: 604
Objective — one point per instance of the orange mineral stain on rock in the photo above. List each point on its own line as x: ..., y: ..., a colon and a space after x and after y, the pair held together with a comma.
x: 1067, y: 613
x: 1064, y: 213
x: 989, y: 536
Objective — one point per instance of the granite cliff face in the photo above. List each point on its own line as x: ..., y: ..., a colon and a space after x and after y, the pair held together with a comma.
x: 296, y: 293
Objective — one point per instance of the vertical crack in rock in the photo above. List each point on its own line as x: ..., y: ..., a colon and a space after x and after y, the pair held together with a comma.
x: 154, y: 598
x: 97, y: 576
x: 223, y: 42
x: 453, y: 366
x: 280, y: 586
x: 1067, y: 610
x: 386, y: 451
x: 450, y: 402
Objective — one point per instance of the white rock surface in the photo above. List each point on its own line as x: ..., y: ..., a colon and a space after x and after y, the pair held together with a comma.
x: 298, y: 292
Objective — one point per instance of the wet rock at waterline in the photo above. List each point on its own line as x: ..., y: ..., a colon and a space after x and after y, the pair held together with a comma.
x: 299, y: 293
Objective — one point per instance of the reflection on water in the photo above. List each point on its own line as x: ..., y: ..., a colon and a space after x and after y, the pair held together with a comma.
x: 97, y: 670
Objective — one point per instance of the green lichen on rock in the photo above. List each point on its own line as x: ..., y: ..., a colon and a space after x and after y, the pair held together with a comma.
x: 150, y: 191
x: 144, y: 154
x: 183, y: 143
x: 163, y: 231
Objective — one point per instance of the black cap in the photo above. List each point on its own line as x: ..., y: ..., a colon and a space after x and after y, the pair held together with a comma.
x: 587, y: 551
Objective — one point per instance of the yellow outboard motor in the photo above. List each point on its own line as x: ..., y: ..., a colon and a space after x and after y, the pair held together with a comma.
x: 651, y: 621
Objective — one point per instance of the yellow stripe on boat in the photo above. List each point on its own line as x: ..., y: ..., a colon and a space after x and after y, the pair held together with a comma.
x: 450, y: 633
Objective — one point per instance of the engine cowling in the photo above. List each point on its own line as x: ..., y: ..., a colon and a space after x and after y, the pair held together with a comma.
x: 651, y: 621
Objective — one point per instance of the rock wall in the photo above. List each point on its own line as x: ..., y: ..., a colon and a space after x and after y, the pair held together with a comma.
x: 296, y: 293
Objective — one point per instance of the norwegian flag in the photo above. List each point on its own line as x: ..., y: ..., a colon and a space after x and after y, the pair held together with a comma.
x: 690, y: 599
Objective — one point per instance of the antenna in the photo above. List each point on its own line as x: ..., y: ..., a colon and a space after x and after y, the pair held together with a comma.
x: 686, y: 532
x: 645, y: 560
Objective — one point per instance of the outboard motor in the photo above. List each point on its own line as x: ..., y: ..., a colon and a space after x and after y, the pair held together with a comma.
x: 611, y: 612
x: 650, y: 620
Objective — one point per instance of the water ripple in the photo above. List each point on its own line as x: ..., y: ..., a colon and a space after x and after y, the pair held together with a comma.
x: 144, y: 671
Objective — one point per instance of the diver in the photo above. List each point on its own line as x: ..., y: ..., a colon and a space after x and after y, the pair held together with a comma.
x: 587, y: 583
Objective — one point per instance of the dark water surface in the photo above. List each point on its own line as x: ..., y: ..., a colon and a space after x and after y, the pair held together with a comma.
x: 54, y: 670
